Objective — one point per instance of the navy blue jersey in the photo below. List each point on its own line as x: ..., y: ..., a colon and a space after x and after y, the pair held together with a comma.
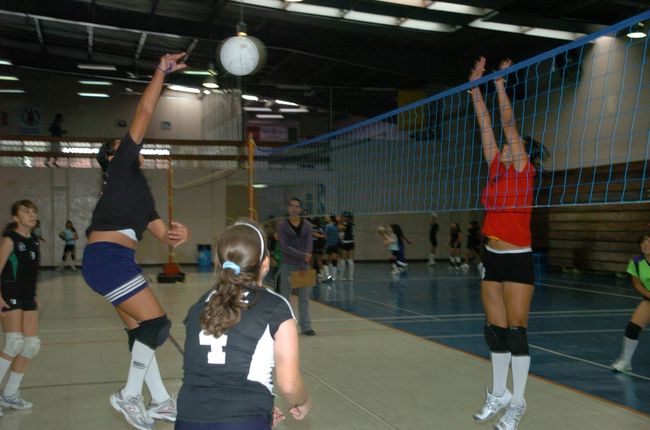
x: 18, y: 279
x: 228, y: 379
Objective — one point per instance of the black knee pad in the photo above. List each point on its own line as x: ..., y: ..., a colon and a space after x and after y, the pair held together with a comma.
x: 632, y: 331
x: 518, y: 341
x: 496, y: 338
x: 152, y: 333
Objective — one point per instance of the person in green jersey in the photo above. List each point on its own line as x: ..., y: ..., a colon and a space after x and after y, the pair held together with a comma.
x: 639, y: 270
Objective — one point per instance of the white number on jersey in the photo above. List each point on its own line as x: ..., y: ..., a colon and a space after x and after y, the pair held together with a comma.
x: 216, y: 355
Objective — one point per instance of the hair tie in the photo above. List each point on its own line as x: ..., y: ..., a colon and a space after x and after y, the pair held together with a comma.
x: 230, y: 265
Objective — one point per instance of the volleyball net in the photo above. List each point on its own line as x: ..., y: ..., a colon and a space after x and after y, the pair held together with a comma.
x: 584, y: 108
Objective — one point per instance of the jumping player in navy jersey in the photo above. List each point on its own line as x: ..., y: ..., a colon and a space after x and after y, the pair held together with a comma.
x: 235, y: 335
x: 125, y: 209
x: 19, y: 259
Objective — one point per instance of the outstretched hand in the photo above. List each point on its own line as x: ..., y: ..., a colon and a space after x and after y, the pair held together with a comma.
x: 477, y: 70
x: 504, y: 64
x: 178, y: 233
x: 169, y: 63
x: 299, y: 412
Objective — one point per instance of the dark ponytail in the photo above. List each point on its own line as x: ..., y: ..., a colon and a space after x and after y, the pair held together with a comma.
x: 241, y: 248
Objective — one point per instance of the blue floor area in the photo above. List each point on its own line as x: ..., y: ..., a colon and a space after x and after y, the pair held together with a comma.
x: 575, y: 328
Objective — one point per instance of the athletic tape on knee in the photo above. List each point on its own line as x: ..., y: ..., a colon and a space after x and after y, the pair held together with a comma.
x: 496, y: 338
x: 32, y: 347
x: 632, y: 331
x: 154, y: 332
x: 14, y: 342
x: 518, y: 341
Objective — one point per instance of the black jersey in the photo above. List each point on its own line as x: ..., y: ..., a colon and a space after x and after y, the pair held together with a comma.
x: 18, y: 279
x: 228, y: 379
x: 433, y: 233
x: 126, y: 201
x: 348, y: 233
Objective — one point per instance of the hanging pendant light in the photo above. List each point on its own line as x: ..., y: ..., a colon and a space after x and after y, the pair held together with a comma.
x: 242, y: 54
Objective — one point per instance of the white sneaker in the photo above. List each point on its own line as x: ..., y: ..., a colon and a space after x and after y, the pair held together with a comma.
x: 133, y: 410
x: 510, y: 420
x: 622, y: 365
x: 492, y: 405
x: 163, y: 411
x: 16, y: 402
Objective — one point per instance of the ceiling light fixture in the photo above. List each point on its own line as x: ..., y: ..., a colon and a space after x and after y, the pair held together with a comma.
x: 269, y: 116
x: 6, y: 63
x: 96, y: 95
x: 286, y: 103
x: 637, y: 31
x: 8, y: 78
x: 184, y: 89
x: 211, y: 83
x: 257, y: 109
x: 294, y: 110
x: 105, y: 67
x: 100, y: 83
x: 197, y: 72
x: 249, y: 98
x: 11, y: 91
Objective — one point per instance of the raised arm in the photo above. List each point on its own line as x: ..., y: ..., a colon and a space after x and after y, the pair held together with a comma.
x: 169, y: 63
x: 517, y: 149
x: 287, y: 368
x: 488, y: 141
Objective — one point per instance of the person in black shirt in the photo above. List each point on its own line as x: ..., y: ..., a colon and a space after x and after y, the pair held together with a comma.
x: 19, y: 259
x: 125, y: 209
x: 235, y: 334
x: 55, y: 146
x: 455, y: 245
x: 433, y: 238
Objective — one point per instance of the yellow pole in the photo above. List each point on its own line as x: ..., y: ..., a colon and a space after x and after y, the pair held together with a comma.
x: 252, y: 213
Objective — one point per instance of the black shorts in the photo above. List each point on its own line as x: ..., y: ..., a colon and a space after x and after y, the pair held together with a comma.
x: 332, y: 249
x: 20, y: 304
x: 474, y: 247
x: 508, y: 267
x: 347, y: 246
x: 455, y: 245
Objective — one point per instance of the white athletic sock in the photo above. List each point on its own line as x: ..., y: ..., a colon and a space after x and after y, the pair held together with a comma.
x: 341, y: 268
x: 629, y: 346
x: 4, y: 368
x: 500, y: 366
x: 155, y: 383
x: 520, y: 366
x: 13, y: 384
x: 141, y: 357
x: 351, y: 269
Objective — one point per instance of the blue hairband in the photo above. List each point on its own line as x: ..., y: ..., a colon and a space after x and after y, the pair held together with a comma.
x: 230, y: 265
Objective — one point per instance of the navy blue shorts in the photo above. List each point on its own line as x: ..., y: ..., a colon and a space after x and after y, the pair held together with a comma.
x: 260, y: 423
x: 110, y: 270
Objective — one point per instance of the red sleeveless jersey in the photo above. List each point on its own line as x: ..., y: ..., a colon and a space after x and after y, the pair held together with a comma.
x: 508, y: 200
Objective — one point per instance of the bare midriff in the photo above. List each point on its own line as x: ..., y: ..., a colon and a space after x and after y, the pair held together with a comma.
x: 500, y: 245
x: 113, y: 237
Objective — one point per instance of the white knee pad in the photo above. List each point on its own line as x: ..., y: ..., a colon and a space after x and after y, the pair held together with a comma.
x: 32, y: 346
x: 14, y: 342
